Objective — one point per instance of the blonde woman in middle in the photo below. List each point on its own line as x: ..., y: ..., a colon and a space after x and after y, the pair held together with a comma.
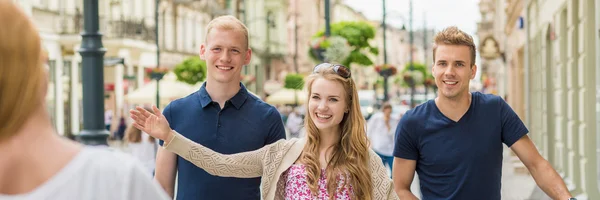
x: 332, y: 162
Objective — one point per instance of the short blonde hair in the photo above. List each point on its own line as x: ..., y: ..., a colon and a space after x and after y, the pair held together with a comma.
x: 454, y: 36
x: 227, y: 22
x: 21, y: 69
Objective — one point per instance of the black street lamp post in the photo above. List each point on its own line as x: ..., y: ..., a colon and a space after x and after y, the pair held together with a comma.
x: 320, y: 54
x: 411, y: 68
x: 156, y: 29
x: 327, y: 19
x: 385, y: 61
x: 385, y: 56
x: 92, y: 53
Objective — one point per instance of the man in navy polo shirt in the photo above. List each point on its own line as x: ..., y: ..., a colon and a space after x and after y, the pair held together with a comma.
x: 455, y: 141
x: 222, y: 116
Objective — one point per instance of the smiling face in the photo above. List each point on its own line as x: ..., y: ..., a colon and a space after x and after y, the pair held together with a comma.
x: 453, y: 70
x: 225, y: 53
x: 327, y: 104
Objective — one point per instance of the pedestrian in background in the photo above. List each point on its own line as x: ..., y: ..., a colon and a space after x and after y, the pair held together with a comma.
x: 295, y: 123
x: 35, y: 162
x: 380, y: 130
x: 142, y: 146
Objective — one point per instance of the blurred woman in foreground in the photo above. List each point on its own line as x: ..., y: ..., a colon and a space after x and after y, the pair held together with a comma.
x: 35, y: 162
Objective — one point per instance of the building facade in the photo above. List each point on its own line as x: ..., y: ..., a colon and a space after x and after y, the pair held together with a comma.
x: 129, y: 32
x: 561, y: 88
x: 267, y: 21
x: 502, y: 50
x: 492, y: 47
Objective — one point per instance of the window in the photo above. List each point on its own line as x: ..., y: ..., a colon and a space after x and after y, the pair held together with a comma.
x: 598, y: 118
x: 598, y: 100
x: 180, y: 31
x: 51, y: 95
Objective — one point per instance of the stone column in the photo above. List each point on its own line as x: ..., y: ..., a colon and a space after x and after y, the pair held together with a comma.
x: 75, y: 94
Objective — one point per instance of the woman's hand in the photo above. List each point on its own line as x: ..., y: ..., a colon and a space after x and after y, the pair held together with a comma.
x: 155, y: 124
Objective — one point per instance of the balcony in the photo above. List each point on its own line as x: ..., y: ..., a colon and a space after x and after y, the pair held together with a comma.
x: 131, y: 28
x: 483, y: 26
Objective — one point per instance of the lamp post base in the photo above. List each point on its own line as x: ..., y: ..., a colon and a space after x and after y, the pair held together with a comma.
x: 93, y: 137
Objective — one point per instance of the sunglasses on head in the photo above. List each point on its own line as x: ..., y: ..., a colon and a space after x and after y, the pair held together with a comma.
x: 341, y: 70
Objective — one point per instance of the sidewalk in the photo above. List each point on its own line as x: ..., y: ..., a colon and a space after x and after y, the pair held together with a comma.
x: 518, y: 185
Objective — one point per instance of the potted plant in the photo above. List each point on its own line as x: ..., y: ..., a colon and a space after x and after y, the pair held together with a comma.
x: 318, y: 45
x: 409, y: 78
x: 338, y: 49
x: 429, y: 82
x: 386, y: 70
x: 156, y: 73
x: 358, y: 36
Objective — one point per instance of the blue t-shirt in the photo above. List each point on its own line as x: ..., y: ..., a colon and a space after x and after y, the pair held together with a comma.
x: 459, y: 160
x: 244, y: 124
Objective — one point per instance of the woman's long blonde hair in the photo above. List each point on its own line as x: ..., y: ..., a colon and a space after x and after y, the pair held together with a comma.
x: 22, y: 75
x: 350, y: 156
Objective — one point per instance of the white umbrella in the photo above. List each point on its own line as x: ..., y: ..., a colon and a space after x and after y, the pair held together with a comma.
x: 287, y: 96
x: 170, y: 89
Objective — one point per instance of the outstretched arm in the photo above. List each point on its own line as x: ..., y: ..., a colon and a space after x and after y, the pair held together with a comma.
x: 241, y: 165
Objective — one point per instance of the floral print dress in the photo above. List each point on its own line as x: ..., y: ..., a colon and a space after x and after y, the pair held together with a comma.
x: 296, y: 185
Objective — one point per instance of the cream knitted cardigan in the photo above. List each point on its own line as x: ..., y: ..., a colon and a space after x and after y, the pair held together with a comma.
x: 269, y: 163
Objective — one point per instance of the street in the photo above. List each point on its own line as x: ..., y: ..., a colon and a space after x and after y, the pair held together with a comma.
x: 516, y: 185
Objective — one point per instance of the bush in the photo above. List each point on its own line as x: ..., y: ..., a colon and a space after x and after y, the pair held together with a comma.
x: 294, y: 81
x: 191, y: 70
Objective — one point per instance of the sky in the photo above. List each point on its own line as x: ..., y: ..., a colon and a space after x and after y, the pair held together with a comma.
x: 438, y: 13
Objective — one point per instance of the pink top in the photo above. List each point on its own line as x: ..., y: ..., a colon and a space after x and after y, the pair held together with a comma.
x: 296, y: 187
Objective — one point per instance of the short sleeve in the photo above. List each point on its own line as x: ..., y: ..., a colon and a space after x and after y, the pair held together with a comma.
x: 276, y: 129
x: 406, y: 141
x: 512, y: 126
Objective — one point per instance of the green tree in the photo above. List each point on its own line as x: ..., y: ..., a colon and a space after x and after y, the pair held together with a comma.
x: 294, y: 81
x: 358, y: 34
x: 191, y: 71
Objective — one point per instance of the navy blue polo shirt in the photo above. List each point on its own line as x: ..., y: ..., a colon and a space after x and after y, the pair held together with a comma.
x: 463, y: 159
x: 245, y: 123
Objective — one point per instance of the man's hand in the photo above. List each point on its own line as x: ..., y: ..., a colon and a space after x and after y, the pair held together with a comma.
x: 155, y: 124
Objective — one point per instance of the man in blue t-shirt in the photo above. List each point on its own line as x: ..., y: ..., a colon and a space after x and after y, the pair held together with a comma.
x: 455, y: 142
x: 222, y: 116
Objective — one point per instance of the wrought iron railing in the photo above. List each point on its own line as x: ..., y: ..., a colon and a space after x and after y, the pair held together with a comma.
x: 124, y: 27
x: 132, y: 28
